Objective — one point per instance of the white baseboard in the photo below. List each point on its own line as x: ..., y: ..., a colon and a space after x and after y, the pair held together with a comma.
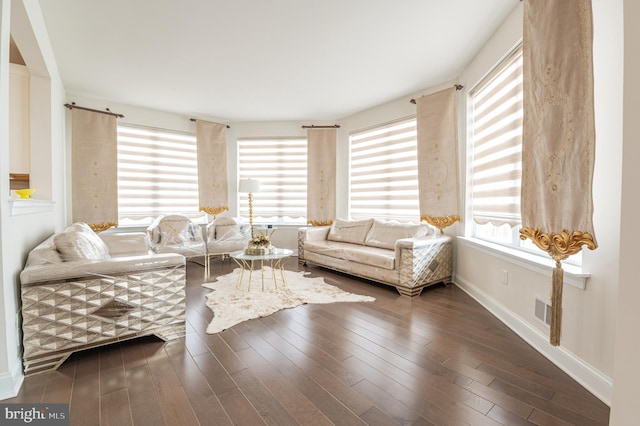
x: 11, y: 381
x: 593, y: 380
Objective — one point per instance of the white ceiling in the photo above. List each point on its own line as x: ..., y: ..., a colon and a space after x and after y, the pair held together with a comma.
x: 255, y: 60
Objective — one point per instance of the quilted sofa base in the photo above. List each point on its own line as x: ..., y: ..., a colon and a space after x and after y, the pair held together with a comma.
x: 68, y: 315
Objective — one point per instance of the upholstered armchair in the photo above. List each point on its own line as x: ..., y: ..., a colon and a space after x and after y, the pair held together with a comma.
x: 226, y: 235
x: 176, y: 234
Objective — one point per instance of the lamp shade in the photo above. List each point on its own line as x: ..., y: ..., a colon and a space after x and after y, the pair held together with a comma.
x: 249, y: 185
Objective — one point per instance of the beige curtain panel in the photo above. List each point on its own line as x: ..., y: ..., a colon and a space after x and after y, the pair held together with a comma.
x: 321, y: 176
x: 558, y: 147
x: 213, y: 189
x: 438, y: 158
x: 94, y: 169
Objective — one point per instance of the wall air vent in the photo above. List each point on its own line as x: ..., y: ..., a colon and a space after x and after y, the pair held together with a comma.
x: 542, y: 310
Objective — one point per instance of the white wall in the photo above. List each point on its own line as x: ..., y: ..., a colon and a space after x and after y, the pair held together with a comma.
x: 7, y: 385
x: 626, y: 373
x: 18, y: 234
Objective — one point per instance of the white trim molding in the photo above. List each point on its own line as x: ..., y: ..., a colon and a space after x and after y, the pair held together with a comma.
x: 573, y: 275
x: 11, y: 381
x: 593, y: 380
x: 20, y: 207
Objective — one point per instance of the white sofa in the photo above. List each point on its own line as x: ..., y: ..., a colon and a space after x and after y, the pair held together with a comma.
x: 80, y: 290
x: 406, y: 256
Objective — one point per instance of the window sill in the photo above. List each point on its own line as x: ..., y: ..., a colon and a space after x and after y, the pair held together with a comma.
x: 30, y: 206
x: 265, y: 225
x: 573, y: 275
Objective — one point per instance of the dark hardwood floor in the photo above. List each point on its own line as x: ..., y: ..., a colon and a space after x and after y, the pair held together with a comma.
x: 438, y: 359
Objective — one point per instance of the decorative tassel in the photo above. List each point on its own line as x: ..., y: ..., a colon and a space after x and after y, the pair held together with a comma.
x: 559, y: 246
x: 556, y: 304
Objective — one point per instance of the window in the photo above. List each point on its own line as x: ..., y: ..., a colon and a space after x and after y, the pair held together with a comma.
x: 280, y: 165
x: 497, y: 150
x: 496, y: 166
x: 157, y: 172
x: 384, y: 172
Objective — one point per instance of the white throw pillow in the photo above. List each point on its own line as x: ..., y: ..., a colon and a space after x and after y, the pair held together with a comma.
x: 349, y: 231
x: 98, y: 244
x: 79, y: 245
x: 224, y: 220
x: 385, y: 234
x: 228, y: 232
x: 174, y: 231
x: 80, y: 227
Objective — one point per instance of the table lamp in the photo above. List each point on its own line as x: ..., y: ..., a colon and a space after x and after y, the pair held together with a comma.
x: 249, y: 186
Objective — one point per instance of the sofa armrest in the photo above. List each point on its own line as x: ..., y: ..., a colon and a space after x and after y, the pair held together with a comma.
x: 422, y: 261
x: 417, y: 242
x: 114, y: 266
x: 310, y: 233
x: 314, y: 233
x: 126, y: 243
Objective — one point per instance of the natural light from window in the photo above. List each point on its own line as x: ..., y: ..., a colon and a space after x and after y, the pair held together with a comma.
x: 384, y: 172
x: 280, y: 165
x: 496, y: 148
x: 157, y: 173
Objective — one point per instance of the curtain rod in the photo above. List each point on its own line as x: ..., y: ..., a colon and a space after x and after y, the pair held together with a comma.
x: 194, y: 119
x: 335, y: 126
x: 457, y: 86
x: 73, y: 105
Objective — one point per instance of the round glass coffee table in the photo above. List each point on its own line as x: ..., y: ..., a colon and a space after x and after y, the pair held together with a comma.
x: 274, y: 260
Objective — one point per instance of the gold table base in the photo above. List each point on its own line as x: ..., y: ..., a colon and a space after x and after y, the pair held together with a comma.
x: 274, y: 259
